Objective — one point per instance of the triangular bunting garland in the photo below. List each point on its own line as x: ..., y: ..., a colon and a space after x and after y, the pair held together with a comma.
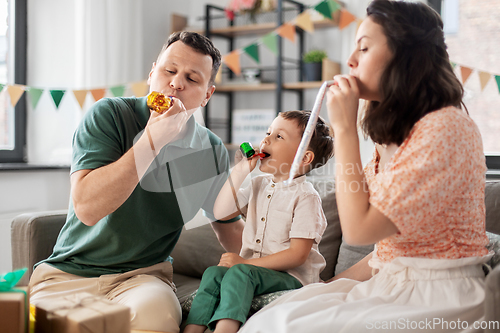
x: 466, y: 72
x: 34, y: 94
x: 139, y: 88
x: 98, y: 93
x: 304, y: 22
x: 453, y: 65
x: 80, y: 96
x: 271, y: 42
x: 232, y: 60
x: 497, y: 78
x: 346, y: 18
x: 483, y: 79
x: 334, y: 6
x: 253, y: 51
x: 324, y: 9
x: 117, y: 91
x: 1, y: 87
x: 287, y: 31
x: 15, y: 92
x: 57, y: 96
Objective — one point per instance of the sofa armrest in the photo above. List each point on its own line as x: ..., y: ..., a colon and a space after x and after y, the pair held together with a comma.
x: 33, y: 236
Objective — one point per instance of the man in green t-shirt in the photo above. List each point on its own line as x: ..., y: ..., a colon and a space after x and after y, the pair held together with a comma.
x: 137, y: 177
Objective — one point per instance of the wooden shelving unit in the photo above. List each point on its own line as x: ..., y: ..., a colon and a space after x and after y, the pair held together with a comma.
x: 231, y: 32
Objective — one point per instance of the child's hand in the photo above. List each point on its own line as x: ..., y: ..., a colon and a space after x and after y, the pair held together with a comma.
x: 245, y: 165
x: 229, y: 259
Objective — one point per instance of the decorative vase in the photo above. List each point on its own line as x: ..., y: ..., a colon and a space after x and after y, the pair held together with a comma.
x: 312, y: 71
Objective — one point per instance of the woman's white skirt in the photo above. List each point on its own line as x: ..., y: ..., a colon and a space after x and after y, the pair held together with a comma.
x: 407, y: 294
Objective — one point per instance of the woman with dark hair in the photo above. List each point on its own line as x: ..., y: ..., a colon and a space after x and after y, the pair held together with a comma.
x: 424, y: 205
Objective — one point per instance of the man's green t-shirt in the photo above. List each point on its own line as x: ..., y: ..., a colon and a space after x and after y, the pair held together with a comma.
x: 186, y: 176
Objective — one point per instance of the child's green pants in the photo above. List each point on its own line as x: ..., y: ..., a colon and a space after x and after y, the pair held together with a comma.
x: 228, y: 292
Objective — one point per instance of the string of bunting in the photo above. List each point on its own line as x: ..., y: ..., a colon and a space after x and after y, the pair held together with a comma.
x: 15, y: 92
x: 327, y: 8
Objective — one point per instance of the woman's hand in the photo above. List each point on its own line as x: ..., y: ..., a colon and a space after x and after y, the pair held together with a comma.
x: 164, y: 128
x: 342, y: 103
x: 229, y: 259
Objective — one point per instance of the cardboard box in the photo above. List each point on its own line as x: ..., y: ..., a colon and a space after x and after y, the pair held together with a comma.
x: 81, y: 313
x: 329, y: 69
x: 13, y: 312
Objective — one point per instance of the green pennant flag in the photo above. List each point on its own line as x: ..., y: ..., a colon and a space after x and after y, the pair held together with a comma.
x: 324, y: 9
x: 118, y: 91
x: 35, y: 94
x: 1, y: 86
x: 253, y: 51
x: 271, y: 42
x: 497, y: 78
x: 453, y: 65
x: 57, y: 95
x: 334, y: 6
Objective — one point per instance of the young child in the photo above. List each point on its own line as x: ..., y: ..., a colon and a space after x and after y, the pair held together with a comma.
x: 284, y: 225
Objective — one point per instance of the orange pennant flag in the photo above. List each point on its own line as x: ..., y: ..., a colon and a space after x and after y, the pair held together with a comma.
x: 287, y: 30
x: 80, y: 96
x: 304, y: 22
x: 346, y: 18
x: 466, y: 72
x: 484, y: 78
x: 139, y: 89
x: 98, y: 93
x: 232, y: 60
x: 15, y: 92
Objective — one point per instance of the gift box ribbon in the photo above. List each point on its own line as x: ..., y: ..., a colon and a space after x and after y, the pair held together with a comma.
x: 7, y: 283
x: 65, y: 310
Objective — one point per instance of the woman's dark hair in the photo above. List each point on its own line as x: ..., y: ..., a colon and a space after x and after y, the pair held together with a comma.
x: 419, y: 79
x: 321, y: 143
x: 199, y: 43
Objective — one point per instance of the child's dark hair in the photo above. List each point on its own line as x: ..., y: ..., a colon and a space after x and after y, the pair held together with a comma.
x: 321, y: 143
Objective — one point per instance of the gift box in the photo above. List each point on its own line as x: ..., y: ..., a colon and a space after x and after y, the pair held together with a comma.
x: 13, y: 312
x: 81, y: 313
x: 13, y: 304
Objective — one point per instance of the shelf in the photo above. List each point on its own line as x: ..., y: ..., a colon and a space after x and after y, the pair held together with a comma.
x: 246, y: 87
x: 268, y: 86
x: 303, y: 85
x: 262, y: 28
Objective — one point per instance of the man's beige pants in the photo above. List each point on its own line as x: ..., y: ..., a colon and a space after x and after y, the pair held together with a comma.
x: 148, y: 292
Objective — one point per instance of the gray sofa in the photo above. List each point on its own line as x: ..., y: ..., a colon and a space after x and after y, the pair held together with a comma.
x: 33, y: 236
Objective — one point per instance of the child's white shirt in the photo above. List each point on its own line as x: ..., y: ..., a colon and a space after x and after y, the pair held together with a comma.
x: 275, y: 213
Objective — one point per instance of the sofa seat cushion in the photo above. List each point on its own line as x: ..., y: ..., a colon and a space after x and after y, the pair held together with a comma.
x: 494, y: 246
x: 258, y: 302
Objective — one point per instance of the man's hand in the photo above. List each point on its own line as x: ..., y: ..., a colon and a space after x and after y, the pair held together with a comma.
x: 229, y: 259
x: 164, y: 128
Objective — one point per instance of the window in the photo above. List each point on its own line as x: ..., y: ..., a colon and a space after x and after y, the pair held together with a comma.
x: 12, y: 71
x: 471, y: 32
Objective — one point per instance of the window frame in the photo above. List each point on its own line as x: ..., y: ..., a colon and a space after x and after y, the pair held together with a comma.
x: 19, y: 57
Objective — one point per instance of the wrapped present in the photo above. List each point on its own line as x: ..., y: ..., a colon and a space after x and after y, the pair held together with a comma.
x: 13, y: 304
x: 81, y: 313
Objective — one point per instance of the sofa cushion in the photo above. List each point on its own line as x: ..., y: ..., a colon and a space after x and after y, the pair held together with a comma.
x: 197, y: 249
x: 492, y: 202
x: 350, y: 255
x: 332, y: 237
x: 494, y: 246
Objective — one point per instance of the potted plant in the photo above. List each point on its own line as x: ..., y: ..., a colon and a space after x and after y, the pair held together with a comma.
x: 313, y: 61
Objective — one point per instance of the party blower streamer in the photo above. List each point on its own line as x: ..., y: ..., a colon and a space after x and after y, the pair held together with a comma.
x: 308, y: 132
